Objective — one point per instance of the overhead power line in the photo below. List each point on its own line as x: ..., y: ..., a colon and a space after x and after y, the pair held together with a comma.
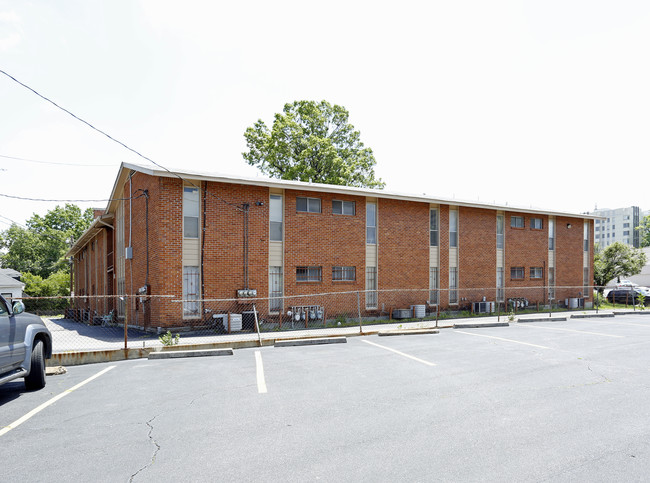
x: 56, y: 163
x: 117, y: 141
x: 70, y: 201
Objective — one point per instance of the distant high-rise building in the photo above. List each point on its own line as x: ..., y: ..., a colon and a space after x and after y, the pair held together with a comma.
x: 619, y: 225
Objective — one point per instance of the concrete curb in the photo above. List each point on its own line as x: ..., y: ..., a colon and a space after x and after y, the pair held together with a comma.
x: 630, y: 312
x: 591, y: 316
x: 297, y: 342
x: 477, y: 326
x: 541, y: 319
x: 194, y: 353
x: 382, y: 333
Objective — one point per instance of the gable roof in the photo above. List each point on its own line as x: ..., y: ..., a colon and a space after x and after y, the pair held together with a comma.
x: 127, y: 168
x: 6, y: 281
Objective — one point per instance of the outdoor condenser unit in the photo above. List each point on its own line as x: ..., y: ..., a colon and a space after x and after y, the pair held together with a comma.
x: 483, y: 307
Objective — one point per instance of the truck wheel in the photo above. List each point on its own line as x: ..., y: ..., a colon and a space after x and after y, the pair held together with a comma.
x: 36, y: 377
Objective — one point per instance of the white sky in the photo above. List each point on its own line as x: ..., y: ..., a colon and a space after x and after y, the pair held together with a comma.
x: 533, y: 103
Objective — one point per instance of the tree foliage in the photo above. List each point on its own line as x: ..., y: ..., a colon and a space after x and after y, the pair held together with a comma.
x: 312, y: 141
x: 57, y: 283
x: 616, y: 261
x: 644, y: 232
x: 39, y: 248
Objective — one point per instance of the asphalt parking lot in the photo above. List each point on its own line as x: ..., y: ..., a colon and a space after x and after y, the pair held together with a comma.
x: 544, y: 401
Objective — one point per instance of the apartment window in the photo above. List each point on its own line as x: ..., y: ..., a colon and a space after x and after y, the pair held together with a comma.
x: 371, y: 287
x: 500, y: 231
x: 191, y: 292
x: 551, y: 234
x: 517, y: 273
x: 433, y: 228
x: 275, y: 217
x: 343, y: 207
x: 625, y: 225
x: 517, y: 221
x: 597, y: 228
x: 453, y: 228
x: 586, y: 283
x: 551, y: 283
x: 344, y: 274
x: 308, y: 205
x: 500, y: 285
x: 536, y: 223
x: 453, y: 285
x: 434, y: 285
x: 613, y: 227
x: 586, y: 236
x: 275, y: 289
x: 536, y: 272
x: 371, y: 223
x: 190, y: 212
x: 309, y: 274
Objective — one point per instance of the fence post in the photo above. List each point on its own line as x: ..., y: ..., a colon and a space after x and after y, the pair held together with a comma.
x: 257, y: 326
x: 126, y: 324
x: 359, y: 312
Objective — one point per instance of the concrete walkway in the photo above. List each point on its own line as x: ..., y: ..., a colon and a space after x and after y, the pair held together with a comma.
x: 72, y: 336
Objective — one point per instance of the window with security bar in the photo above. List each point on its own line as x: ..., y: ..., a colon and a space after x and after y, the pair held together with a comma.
x: 309, y: 274
x: 344, y: 274
x: 434, y: 285
x: 371, y: 287
x: 191, y: 292
x: 453, y: 285
x: 275, y: 289
x: 500, y: 285
x: 517, y: 273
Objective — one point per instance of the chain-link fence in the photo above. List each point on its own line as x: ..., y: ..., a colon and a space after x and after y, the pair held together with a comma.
x: 114, y: 322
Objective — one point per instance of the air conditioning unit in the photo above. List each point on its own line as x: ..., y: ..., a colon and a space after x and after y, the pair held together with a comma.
x: 402, y: 313
x: 483, y: 307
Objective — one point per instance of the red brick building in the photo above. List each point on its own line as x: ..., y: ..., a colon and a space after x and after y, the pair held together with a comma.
x: 196, y: 236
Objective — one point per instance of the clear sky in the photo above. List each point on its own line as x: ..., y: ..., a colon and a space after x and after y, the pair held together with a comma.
x: 533, y: 103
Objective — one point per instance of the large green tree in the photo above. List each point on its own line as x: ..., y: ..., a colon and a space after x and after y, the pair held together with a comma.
x: 39, y: 248
x: 312, y: 141
x: 616, y: 261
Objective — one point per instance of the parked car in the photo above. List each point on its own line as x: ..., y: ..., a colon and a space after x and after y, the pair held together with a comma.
x: 626, y: 283
x: 628, y: 295
x: 25, y: 343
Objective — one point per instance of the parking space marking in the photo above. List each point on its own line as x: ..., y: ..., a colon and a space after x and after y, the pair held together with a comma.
x: 501, y: 338
x: 615, y: 322
x: 574, y: 330
x: 33, y: 412
x: 400, y: 353
x: 259, y: 369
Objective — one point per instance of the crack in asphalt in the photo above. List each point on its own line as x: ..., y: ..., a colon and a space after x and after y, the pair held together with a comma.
x: 155, y: 453
x: 605, y: 378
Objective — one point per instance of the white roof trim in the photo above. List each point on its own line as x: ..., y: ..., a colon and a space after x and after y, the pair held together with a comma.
x: 328, y: 188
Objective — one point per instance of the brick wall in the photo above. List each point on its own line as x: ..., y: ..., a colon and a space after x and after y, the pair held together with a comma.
x: 323, y: 240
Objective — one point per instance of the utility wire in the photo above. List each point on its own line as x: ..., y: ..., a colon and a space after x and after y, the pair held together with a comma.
x: 116, y: 140
x: 70, y: 201
x: 59, y: 164
x: 12, y: 221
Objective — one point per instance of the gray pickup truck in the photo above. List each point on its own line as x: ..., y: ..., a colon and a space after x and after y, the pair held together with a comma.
x: 25, y: 343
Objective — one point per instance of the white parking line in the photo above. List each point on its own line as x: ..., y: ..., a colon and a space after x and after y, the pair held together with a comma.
x: 261, y: 384
x: 573, y: 330
x: 500, y: 338
x: 33, y: 412
x: 400, y: 353
x: 616, y: 322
